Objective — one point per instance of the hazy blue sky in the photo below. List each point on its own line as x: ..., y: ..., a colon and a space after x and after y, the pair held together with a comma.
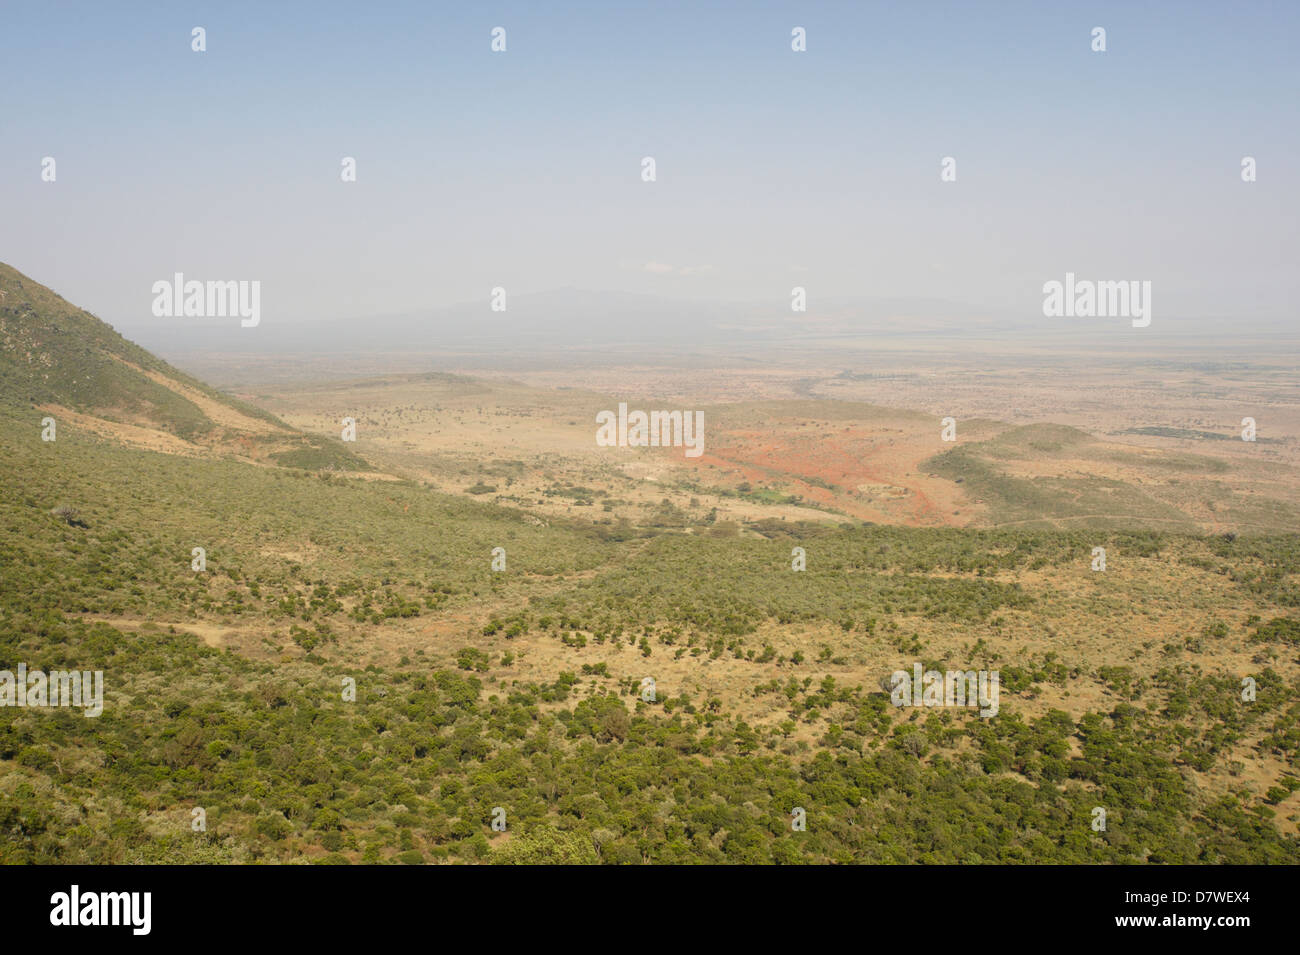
x: 775, y: 168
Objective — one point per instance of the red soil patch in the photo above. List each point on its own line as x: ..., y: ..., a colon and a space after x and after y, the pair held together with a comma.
x: 872, y: 475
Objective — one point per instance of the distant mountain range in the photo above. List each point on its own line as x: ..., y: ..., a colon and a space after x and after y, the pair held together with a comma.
x: 568, y: 326
x: 582, y: 321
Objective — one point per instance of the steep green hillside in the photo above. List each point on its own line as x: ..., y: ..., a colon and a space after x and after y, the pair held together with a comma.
x: 53, y: 354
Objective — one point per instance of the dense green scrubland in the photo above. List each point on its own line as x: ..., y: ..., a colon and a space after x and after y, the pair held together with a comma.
x: 411, y: 771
